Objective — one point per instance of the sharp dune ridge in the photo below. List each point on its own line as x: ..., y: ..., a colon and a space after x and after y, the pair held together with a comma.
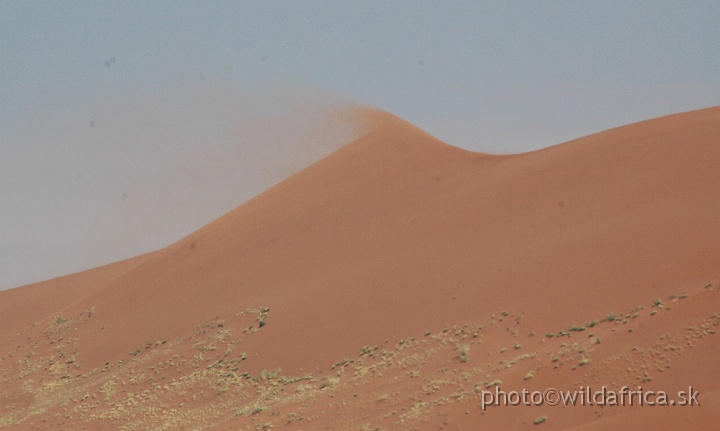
x: 383, y: 286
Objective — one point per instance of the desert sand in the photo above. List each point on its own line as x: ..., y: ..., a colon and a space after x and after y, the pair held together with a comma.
x: 385, y: 286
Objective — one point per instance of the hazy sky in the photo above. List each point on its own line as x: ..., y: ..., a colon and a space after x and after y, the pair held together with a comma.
x: 126, y: 125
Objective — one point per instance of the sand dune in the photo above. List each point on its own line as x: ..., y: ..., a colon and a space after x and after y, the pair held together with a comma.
x: 394, y: 279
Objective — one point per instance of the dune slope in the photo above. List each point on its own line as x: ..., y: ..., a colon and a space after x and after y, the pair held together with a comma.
x: 388, y: 284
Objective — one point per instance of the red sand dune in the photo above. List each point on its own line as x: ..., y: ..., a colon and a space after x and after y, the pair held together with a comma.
x: 396, y: 279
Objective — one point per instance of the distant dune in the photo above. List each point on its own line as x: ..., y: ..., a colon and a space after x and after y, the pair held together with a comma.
x: 385, y: 286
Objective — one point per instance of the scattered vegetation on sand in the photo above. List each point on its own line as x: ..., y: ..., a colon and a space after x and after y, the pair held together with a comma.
x: 463, y: 352
x: 210, y: 377
x: 540, y: 419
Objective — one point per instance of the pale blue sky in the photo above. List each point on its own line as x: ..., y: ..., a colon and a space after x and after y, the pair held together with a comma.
x: 116, y: 114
